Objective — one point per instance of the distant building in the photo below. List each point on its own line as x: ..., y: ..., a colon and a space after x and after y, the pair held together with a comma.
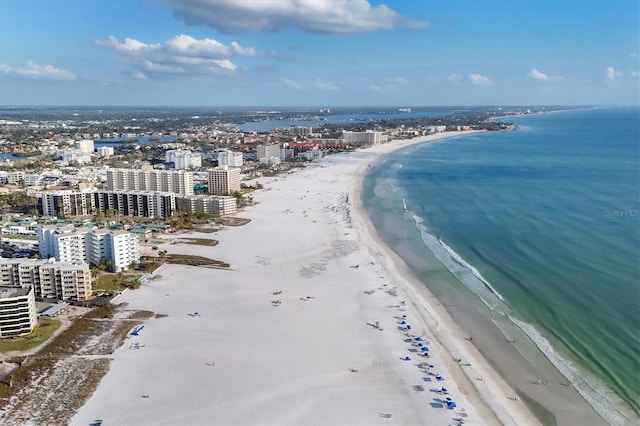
x: 183, y: 159
x: 17, y: 311
x: 364, y: 138
x: 264, y: 151
x: 85, y: 146
x: 105, y: 151
x: 270, y: 161
x: 230, y: 158
x: 176, y: 181
x: 15, y: 177
x: 224, y: 180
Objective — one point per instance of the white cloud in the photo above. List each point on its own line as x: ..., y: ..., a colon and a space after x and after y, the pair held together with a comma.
x: 633, y: 55
x: 633, y: 73
x: 389, y: 84
x: 611, y: 73
x: 396, y: 80
x: 139, y: 75
x: 320, y: 16
x: 182, y: 55
x: 325, y: 85
x: 128, y: 45
x: 454, y: 78
x: 538, y: 75
x: 290, y: 83
x: 37, y: 71
x: 479, y: 80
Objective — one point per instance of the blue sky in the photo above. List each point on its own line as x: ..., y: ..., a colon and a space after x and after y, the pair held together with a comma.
x: 319, y: 53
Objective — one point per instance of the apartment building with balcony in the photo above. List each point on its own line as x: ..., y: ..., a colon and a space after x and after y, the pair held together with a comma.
x: 223, y: 180
x: 66, y: 244
x: 47, y: 278
x: 17, y: 311
x: 176, y: 181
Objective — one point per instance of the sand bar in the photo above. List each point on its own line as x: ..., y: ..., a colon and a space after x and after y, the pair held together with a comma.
x: 306, y: 328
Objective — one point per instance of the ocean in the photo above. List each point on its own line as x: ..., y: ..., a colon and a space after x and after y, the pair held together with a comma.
x: 538, y: 230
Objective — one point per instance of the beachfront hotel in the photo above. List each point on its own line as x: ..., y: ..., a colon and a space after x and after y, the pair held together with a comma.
x: 224, y: 180
x: 17, y: 311
x: 48, y: 278
x: 66, y: 244
x: 176, y: 181
x: 364, y: 138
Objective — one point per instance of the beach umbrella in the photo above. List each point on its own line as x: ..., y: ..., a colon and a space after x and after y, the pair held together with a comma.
x: 444, y: 390
x: 404, y: 316
x: 425, y: 349
x: 408, y: 326
x: 406, y: 358
x: 449, y: 399
x: 451, y: 404
x: 419, y: 339
x: 403, y: 322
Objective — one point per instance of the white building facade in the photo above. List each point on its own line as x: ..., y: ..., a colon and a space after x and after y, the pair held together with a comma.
x: 364, y: 138
x: 208, y: 204
x: 183, y: 159
x: 48, y: 278
x: 230, y: 158
x: 17, y: 311
x: 176, y: 181
x: 88, y: 246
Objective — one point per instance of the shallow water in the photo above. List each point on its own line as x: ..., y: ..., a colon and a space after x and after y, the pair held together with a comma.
x: 540, y: 226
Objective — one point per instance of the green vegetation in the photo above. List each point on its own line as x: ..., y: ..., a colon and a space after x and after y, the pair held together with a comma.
x: 40, y: 334
x: 200, y: 241
x: 115, y: 282
x: 70, y: 342
x: 141, y: 315
x: 26, y: 154
x: 185, y: 259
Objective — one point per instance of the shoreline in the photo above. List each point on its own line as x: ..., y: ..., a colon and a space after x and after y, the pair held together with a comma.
x: 518, y: 364
x: 313, y: 254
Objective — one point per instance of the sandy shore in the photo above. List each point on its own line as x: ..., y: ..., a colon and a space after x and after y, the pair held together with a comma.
x: 288, y: 335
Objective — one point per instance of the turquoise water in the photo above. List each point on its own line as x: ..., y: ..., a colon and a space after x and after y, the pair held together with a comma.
x: 541, y: 224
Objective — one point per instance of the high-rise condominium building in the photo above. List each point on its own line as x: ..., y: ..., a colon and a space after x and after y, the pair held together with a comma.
x: 224, y: 180
x: 67, y: 203
x: 17, y: 311
x: 183, y: 159
x: 176, y: 181
x: 364, y: 138
x: 265, y: 151
x: 48, y: 278
x: 88, y: 246
x: 230, y: 158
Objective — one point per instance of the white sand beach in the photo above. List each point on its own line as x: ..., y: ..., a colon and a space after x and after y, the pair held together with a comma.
x: 288, y: 335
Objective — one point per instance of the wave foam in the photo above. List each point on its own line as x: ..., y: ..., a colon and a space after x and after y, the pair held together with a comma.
x: 592, y: 389
x: 471, y: 268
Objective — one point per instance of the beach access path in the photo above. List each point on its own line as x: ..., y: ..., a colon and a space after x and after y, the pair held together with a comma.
x: 308, y: 326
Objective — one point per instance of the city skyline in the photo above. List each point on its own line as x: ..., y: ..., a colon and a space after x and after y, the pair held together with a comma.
x: 315, y: 53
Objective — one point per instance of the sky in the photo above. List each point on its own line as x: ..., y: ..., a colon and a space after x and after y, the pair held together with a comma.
x: 319, y: 52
